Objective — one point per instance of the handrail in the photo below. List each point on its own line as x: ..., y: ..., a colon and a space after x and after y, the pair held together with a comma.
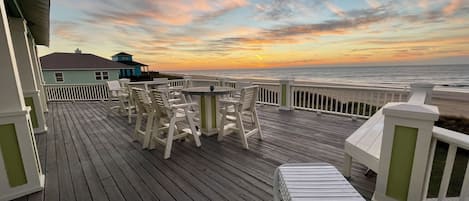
x: 349, y: 87
x: 451, y: 137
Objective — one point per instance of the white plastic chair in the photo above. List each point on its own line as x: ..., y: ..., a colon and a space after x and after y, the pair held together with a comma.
x: 234, y: 110
x: 168, y: 126
x: 144, y: 109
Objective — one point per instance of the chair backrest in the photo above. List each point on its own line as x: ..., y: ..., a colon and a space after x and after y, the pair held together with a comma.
x: 142, y: 99
x: 124, y: 81
x: 248, y: 98
x: 113, y: 85
x: 160, y: 101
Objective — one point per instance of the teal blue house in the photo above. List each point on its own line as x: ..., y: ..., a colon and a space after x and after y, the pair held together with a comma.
x: 127, y: 59
x: 80, y: 68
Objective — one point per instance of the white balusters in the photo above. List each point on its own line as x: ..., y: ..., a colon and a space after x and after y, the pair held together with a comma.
x: 76, y: 92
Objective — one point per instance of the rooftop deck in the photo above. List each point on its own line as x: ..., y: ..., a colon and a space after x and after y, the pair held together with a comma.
x: 89, y: 155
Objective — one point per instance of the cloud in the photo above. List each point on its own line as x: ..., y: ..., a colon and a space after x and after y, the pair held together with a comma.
x: 67, y: 30
x: 452, y: 7
x: 333, y: 8
x: 284, y: 9
x: 174, y: 12
x: 373, y: 3
x: 361, y: 18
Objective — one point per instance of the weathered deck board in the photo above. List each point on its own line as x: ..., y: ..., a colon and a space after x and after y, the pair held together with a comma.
x: 89, y: 155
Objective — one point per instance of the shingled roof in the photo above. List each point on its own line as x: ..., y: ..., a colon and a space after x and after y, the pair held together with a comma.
x: 78, y: 61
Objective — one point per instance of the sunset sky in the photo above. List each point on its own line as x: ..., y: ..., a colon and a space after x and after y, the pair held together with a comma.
x: 216, y: 34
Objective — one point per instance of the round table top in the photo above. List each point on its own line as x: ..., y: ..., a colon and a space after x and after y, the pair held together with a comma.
x: 206, y: 90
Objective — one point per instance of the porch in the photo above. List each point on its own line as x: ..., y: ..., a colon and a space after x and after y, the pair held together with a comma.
x: 89, y: 155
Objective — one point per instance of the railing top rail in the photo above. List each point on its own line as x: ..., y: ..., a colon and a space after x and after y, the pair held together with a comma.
x: 266, y: 83
x: 351, y: 87
x: 82, y: 84
x: 451, y: 137
x: 205, y: 80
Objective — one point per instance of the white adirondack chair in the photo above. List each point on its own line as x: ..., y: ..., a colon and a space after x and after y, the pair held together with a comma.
x: 168, y: 125
x: 233, y: 110
x: 125, y: 101
x: 145, y: 109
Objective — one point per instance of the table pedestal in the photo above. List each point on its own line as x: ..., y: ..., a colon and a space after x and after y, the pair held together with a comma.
x: 209, y: 114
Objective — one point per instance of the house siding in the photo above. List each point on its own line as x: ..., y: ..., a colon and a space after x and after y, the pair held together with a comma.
x: 78, y: 76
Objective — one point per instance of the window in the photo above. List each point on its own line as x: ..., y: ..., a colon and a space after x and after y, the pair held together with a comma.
x: 102, y: 75
x: 105, y: 75
x: 59, y: 77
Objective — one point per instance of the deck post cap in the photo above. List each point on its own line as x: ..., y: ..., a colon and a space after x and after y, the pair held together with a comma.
x: 412, y: 111
x: 422, y: 85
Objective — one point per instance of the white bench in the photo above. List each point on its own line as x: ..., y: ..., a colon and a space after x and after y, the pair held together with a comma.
x: 312, y: 181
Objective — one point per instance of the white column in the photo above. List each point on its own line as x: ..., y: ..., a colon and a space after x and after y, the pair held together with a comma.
x: 20, y: 170
x: 285, y: 94
x: 25, y: 60
x: 426, y: 88
x: 188, y: 81
x: 38, y: 72
x: 405, y: 150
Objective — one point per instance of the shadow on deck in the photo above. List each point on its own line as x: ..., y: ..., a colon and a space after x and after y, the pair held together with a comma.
x: 88, y: 155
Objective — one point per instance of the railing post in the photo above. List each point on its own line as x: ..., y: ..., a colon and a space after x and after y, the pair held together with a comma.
x: 285, y: 94
x: 187, y: 81
x: 405, y: 151
x: 423, y: 87
x: 223, y: 81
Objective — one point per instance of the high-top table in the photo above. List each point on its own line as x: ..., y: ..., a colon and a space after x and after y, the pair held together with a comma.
x: 208, y: 106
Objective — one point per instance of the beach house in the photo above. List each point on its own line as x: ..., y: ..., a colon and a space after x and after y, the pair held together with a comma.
x: 126, y: 58
x: 79, y: 68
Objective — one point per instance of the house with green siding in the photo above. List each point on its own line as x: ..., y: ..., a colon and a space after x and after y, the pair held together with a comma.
x: 80, y: 68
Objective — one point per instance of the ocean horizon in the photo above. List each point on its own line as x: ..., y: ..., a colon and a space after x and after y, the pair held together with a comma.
x: 445, y: 77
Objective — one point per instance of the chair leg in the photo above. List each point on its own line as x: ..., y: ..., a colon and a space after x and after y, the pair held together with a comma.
x: 257, y: 124
x: 193, y: 130
x: 148, y: 132
x: 221, y: 126
x: 169, y: 138
x: 155, y: 132
x: 347, y: 166
x: 138, y: 125
x: 129, y: 113
x: 241, y: 131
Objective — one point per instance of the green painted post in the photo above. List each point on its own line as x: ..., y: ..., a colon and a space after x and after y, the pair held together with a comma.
x: 285, y: 95
x: 405, y: 150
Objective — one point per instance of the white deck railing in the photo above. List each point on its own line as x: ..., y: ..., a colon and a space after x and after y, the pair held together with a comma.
x: 268, y: 93
x: 455, y: 141
x: 177, y: 83
x: 204, y: 82
x: 76, y: 92
x: 353, y: 101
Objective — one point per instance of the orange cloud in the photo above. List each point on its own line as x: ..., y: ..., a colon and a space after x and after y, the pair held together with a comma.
x: 452, y: 7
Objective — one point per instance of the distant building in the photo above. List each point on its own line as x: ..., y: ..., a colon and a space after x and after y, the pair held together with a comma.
x: 78, y: 68
x: 125, y: 58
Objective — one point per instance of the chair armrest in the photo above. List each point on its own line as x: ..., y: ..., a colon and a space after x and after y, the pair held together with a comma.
x: 183, y: 105
x: 230, y: 101
x: 174, y: 100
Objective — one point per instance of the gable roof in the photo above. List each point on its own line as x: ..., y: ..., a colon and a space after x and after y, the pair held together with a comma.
x: 132, y: 63
x: 122, y: 54
x: 77, y: 61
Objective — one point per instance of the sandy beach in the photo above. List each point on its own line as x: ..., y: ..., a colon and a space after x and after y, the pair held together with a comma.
x: 449, y: 103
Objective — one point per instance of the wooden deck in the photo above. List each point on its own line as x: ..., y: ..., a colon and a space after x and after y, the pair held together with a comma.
x: 88, y: 155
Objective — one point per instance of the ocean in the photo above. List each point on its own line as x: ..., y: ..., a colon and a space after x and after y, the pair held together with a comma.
x: 445, y: 77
